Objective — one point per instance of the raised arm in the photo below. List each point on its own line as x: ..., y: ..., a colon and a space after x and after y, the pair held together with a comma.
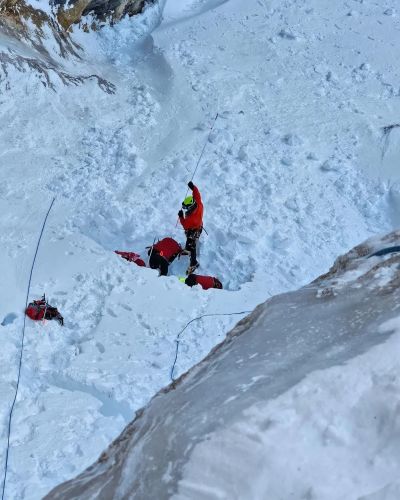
x: 196, y: 192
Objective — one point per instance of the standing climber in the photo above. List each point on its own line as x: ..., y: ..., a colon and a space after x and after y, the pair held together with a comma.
x: 163, y: 253
x: 191, y: 218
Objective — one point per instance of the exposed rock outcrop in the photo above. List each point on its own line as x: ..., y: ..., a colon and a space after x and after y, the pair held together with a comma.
x: 100, y: 11
x: 16, y: 13
x: 41, y: 39
x: 21, y: 22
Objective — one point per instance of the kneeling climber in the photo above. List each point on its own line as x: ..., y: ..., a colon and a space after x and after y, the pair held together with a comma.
x: 191, y: 218
x: 163, y: 253
x: 40, y: 309
x: 206, y: 282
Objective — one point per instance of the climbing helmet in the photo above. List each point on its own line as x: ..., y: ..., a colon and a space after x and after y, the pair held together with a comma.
x: 188, y: 203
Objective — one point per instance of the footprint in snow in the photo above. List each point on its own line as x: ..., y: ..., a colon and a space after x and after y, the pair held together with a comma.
x: 9, y: 319
x: 100, y: 347
x: 126, y: 307
x: 111, y: 312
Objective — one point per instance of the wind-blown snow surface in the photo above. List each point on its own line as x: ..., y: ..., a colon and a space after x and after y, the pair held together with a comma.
x: 269, y: 414
x: 304, y: 92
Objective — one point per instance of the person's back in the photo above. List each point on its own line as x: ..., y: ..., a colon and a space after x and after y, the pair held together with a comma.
x: 168, y: 248
x: 163, y: 253
x: 192, y: 219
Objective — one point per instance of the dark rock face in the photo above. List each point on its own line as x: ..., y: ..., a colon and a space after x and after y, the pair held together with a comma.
x: 21, y: 22
x: 71, y: 12
x: 103, y: 8
x: 22, y: 25
x: 14, y: 14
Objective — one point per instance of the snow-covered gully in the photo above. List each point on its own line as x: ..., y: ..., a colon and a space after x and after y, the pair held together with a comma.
x: 300, y: 167
x: 278, y: 398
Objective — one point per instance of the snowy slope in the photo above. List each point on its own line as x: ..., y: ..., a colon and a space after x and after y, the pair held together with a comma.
x: 268, y: 414
x: 304, y: 92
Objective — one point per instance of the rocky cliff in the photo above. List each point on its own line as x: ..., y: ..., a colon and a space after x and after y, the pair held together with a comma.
x: 88, y: 13
x: 99, y: 11
x: 38, y: 36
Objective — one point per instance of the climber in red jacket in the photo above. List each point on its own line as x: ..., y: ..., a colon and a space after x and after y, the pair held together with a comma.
x: 40, y: 309
x: 206, y: 282
x: 163, y: 253
x: 191, y: 218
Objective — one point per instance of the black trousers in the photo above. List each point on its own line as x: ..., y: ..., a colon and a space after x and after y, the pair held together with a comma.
x: 158, y: 262
x: 192, y: 237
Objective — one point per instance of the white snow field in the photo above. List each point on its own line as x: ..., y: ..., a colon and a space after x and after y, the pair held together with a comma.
x: 301, y: 166
x: 240, y: 425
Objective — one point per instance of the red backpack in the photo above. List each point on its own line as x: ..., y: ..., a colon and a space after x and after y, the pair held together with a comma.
x: 167, y: 248
x: 41, y: 309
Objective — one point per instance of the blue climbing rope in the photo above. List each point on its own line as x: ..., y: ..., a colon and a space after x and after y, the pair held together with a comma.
x: 21, y: 353
x: 177, y: 340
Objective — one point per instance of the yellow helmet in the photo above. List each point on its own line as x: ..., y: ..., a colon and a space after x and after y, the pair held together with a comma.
x: 188, y: 203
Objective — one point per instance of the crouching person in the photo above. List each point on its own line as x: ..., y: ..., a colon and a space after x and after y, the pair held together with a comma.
x: 206, y: 282
x: 39, y: 310
x: 163, y: 253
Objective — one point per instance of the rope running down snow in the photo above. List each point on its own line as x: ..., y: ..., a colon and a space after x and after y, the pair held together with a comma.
x: 204, y: 147
x: 177, y: 340
x: 201, y: 154
x: 21, y: 352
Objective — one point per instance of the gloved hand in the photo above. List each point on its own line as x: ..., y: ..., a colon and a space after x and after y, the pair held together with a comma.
x: 191, y: 185
x: 180, y: 213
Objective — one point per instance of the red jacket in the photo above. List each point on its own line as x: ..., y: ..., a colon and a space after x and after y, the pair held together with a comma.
x: 167, y: 248
x: 194, y: 220
x: 36, y: 310
x: 206, y: 282
x: 40, y: 309
x: 132, y: 257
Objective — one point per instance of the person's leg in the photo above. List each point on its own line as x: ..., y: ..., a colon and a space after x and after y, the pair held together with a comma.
x: 154, y: 261
x: 191, y: 280
x: 158, y: 262
x: 193, y: 254
x: 164, y: 264
x: 191, y: 241
x: 217, y: 284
